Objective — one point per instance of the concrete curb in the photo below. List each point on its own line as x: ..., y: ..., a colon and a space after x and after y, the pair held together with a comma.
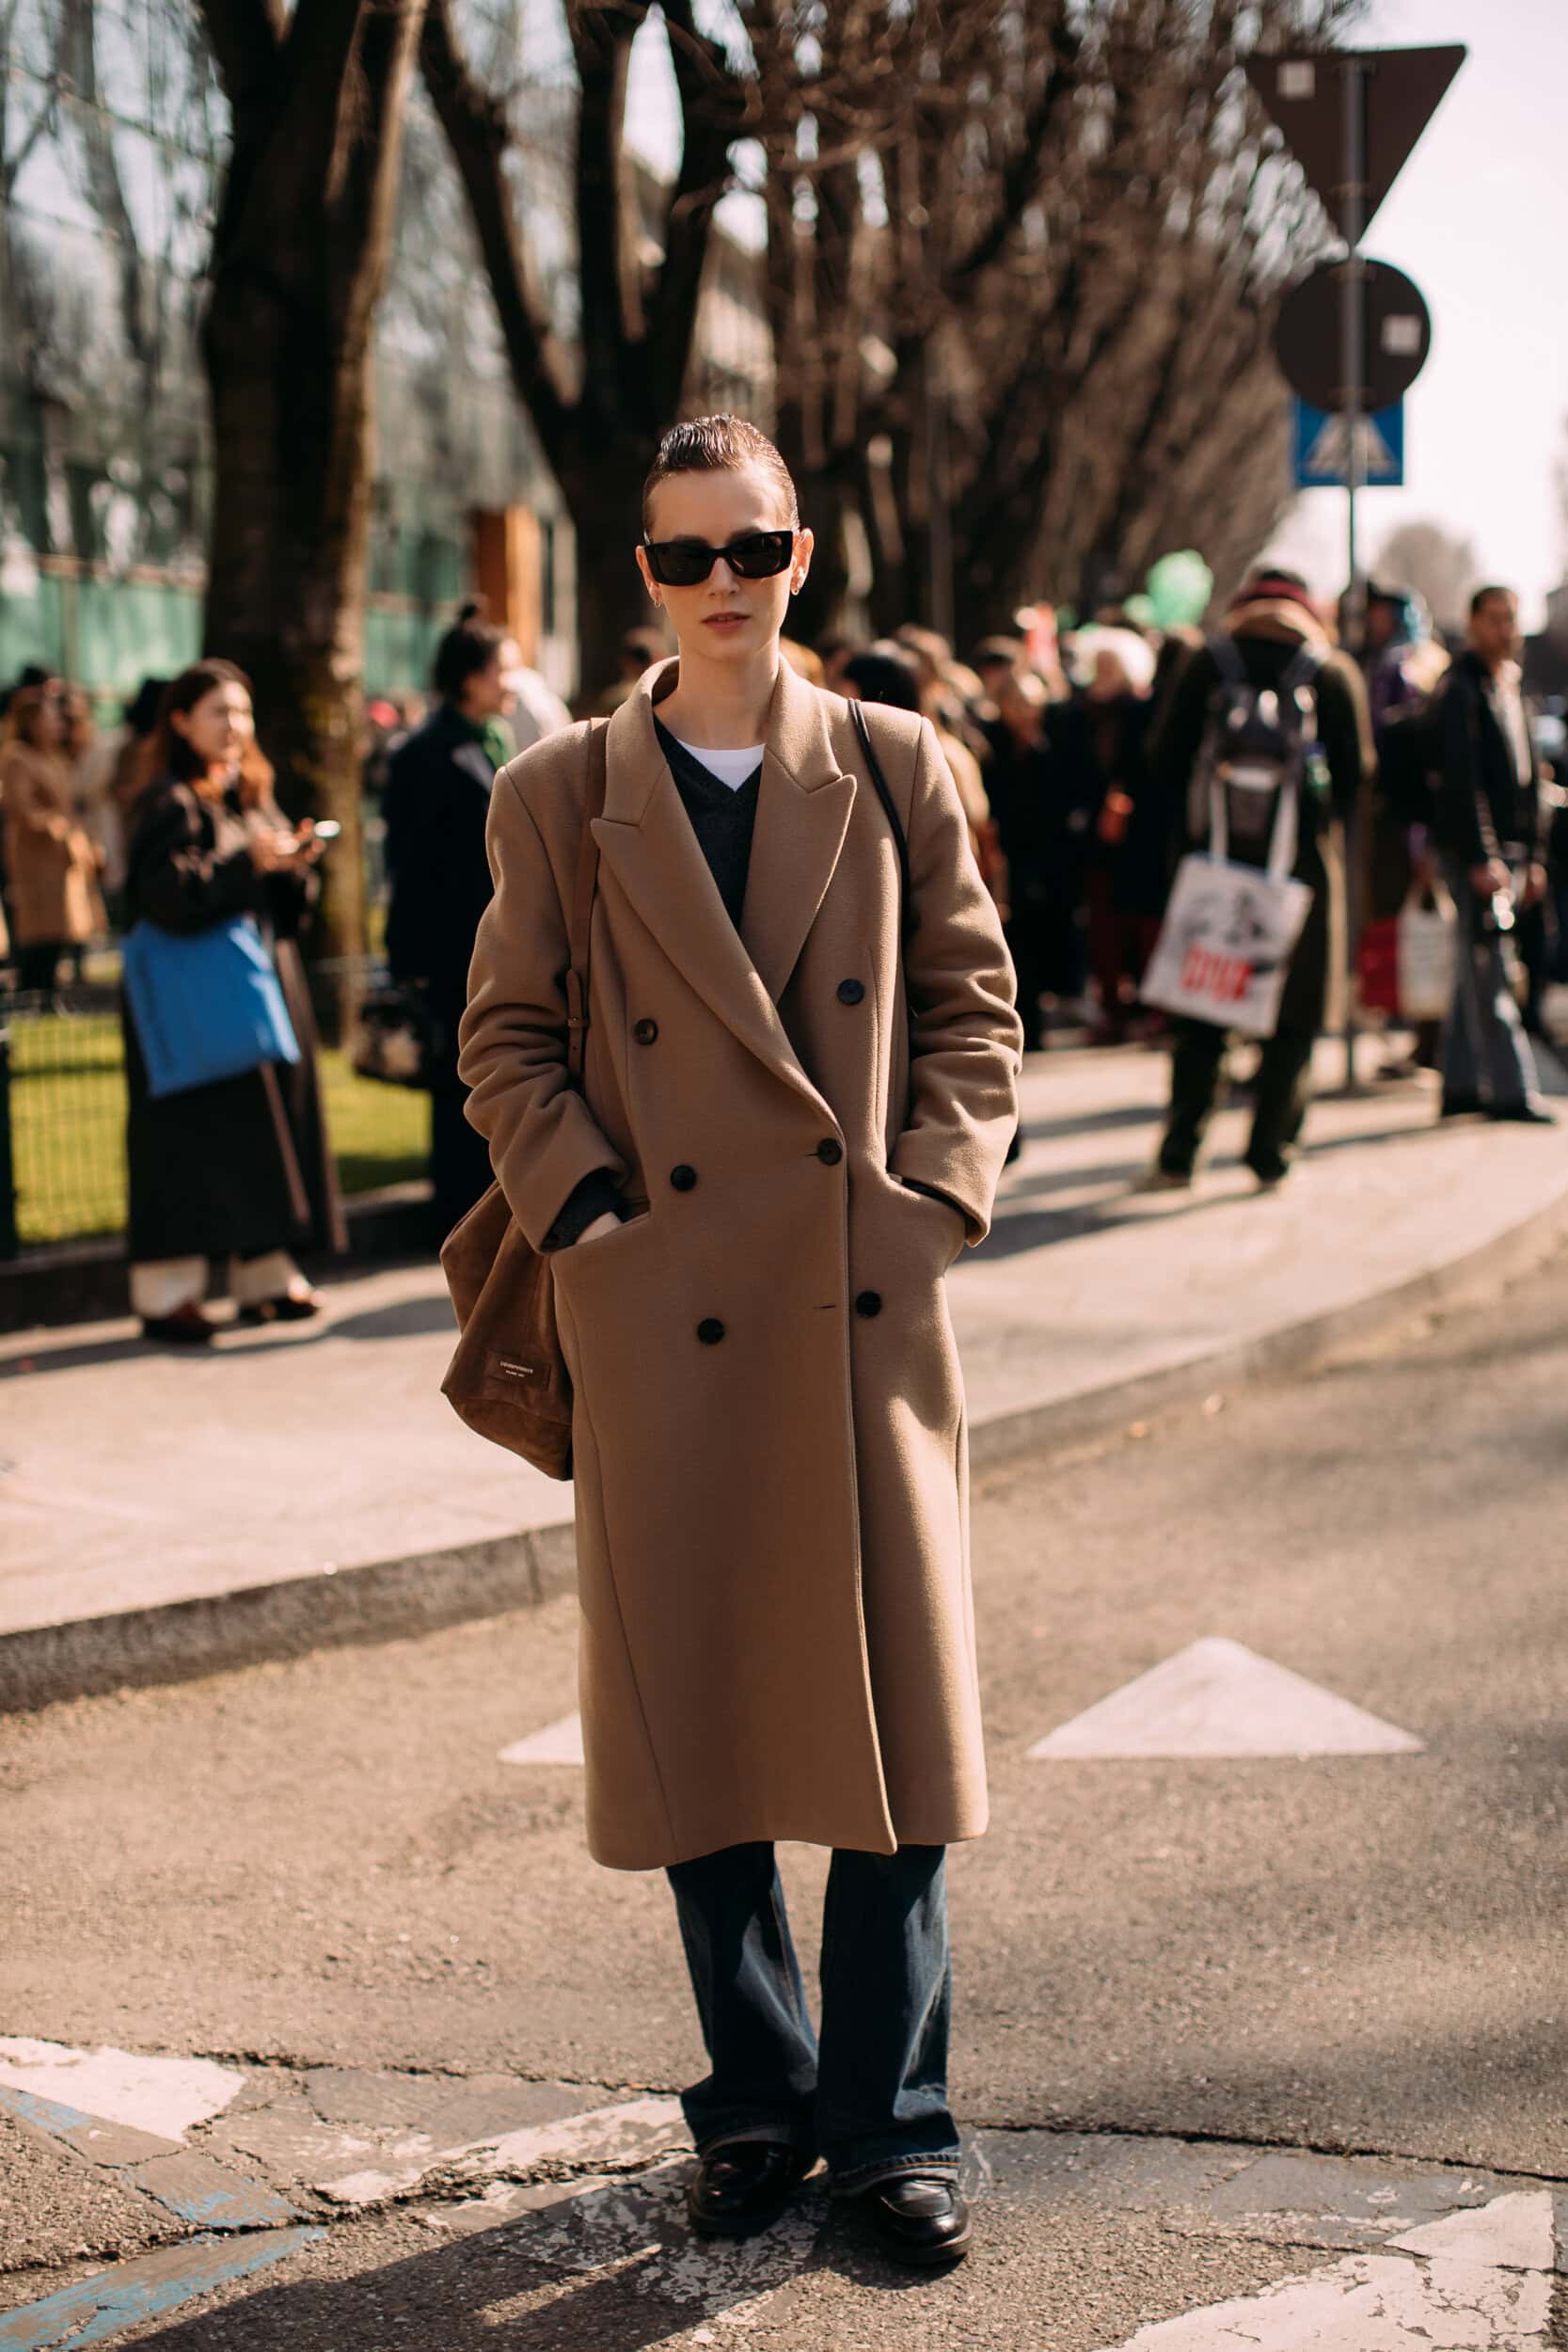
x: 388, y: 1599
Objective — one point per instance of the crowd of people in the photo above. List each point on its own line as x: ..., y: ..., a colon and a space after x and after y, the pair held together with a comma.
x: 1086, y: 763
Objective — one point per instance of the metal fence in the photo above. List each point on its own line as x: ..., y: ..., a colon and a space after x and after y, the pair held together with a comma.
x: 62, y: 1112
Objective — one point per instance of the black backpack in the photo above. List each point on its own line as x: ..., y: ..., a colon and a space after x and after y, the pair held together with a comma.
x: 1257, y: 741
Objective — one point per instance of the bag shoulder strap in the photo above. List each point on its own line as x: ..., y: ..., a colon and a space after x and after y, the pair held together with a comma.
x: 1303, y: 671
x: 580, y: 929
x: 908, y: 912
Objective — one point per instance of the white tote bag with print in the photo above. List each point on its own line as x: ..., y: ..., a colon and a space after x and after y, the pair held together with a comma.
x: 1427, y: 939
x: 1225, y: 948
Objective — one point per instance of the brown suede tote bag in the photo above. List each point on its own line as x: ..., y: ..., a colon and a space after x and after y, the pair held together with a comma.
x: 508, y: 1378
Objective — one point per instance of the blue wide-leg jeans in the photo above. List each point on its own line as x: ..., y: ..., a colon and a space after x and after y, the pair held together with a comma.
x: 870, y: 2095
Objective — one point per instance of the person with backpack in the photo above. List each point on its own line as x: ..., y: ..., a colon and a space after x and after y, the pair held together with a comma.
x: 798, y: 1085
x: 1267, y: 727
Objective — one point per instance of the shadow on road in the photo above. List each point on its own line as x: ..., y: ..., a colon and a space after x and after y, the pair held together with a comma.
x: 615, y: 2271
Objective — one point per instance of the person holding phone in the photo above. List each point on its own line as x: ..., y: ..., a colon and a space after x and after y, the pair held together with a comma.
x: 799, y: 1087
x: 239, y: 1171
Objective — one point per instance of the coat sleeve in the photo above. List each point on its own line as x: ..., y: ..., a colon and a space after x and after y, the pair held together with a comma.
x: 30, y: 805
x: 965, y: 1037
x: 511, y: 1041
x: 1344, y: 725
x: 1464, y: 813
x: 179, y: 883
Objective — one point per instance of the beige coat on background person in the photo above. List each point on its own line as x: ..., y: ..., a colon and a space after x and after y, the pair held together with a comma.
x: 778, y: 1638
x: 51, y: 863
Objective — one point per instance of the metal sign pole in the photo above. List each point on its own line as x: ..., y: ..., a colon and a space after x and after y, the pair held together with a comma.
x: 1352, y: 358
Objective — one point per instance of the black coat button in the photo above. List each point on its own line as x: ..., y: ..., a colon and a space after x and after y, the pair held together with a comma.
x: 830, y: 1151
x: 868, y: 1303
x: 683, y: 1178
x: 710, y: 1330
x: 644, y: 1032
x: 850, y: 991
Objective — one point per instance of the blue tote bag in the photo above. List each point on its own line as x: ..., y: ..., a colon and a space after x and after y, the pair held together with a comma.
x: 206, y: 1005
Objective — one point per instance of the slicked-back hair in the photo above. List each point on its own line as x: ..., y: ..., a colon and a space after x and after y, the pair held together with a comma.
x: 1484, y: 595
x: 719, y: 445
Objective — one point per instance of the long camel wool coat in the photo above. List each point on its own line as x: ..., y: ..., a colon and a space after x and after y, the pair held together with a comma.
x: 778, y: 1639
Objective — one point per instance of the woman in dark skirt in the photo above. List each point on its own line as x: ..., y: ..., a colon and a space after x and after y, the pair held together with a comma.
x: 240, y: 1169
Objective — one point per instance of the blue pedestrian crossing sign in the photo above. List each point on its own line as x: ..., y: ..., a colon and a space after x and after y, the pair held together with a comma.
x: 1321, y: 448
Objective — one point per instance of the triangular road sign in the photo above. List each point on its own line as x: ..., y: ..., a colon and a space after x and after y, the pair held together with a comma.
x: 1326, y: 455
x: 557, y: 1743
x: 1304, y: 96
x: 1218, y: 1698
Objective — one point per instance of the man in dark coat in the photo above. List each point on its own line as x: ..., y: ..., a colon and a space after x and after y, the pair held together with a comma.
x: 1270, y: 625
x: 435, y: 807
x: 1489, y: 827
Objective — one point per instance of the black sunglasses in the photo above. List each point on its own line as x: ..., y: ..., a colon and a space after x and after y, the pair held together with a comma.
x: 683, y: 563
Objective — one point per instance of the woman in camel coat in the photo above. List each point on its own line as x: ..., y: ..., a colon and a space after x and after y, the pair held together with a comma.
x: 51, y: 865
x: 796, y: 1107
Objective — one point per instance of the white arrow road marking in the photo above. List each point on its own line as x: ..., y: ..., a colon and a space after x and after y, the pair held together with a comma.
x: 557, y: 1743
x: 155, y: 2094
x: 1392, y: 2302
x: 1218, y: 1698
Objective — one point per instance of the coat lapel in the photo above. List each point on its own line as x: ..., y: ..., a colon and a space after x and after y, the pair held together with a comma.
x: 802, y: 817
x: 646, y: 842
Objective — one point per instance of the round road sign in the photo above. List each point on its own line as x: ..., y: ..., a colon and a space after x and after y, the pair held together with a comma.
x: 1394, y: 340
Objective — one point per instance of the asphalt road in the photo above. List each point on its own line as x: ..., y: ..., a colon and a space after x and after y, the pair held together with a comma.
x: 325, y: 1863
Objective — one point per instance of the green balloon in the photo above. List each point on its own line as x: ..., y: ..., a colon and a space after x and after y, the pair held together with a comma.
x: 1180, y: 587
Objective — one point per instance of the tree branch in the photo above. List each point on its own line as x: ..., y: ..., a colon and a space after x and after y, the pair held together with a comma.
x: 246, y: 38
x: 608, y: 264
x: 716, y: 108
x: 1020, y: 181
x: 476, y: 128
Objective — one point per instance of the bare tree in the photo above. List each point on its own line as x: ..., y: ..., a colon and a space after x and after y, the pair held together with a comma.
x: 1068, y: 229
x: 1022, y: 263
x: 298, y: 264
x: 598, y: 407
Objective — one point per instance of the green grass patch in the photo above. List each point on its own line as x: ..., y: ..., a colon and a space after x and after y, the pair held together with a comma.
x: 68, y: 1126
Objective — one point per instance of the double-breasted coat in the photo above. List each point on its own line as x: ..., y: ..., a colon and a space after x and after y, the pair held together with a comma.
x: 778, y: 1637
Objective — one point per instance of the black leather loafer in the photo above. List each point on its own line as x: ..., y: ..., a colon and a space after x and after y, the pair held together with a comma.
x: 290, y: 1307
x: 186, y: 1327
x: 919, y: 2218
x: 1526, y: 1114
x: 744, y: 2186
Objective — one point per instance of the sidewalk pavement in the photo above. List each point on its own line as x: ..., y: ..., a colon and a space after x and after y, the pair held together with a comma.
x: 164, y: 1515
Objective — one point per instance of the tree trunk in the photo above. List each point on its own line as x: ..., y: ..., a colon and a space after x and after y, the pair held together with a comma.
x: 292, y: 429
x: 299, y: 260
x: 603, y: 490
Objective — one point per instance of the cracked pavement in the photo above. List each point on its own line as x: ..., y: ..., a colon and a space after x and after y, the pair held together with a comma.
x: 1226, y: 2029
